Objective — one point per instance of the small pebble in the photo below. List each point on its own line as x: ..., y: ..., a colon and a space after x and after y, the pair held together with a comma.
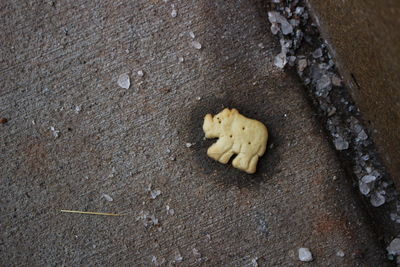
x: 377, y: 199
x: 394, y: 247
x: 140, y: 73
x: 174, y: 13
x: 280, y: 60
x: 368, y: 179
x: 77, y: 109
x: 154, y: 194
x: 196, y: 45
x: 181, y: 59
x: 188, y: 145
x: 305, y: 255
x: 124, y: 81
x: 336, y: 81
x: 341, y: 144
x: 198, y: 98
x: 317, y: 53
x: 261, y: 45
x: 191, y: 34
x: 54, y: 132
x: 364, y: 188
x: 340, y: 253
x: 196, y: 253
x: 107, y: 197
x: 178, y: 257
x: 302, y: 64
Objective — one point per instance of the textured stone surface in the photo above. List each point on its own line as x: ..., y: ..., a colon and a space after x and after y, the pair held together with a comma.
x: 57, y: 56
x: 364, y: 36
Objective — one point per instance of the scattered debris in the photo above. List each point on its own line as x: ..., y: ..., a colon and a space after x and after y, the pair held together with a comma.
x: 261, y: 45
x: 148, y: 219
x: 124, y: 81
x: 107, y: 197
x: 3, y: 120
x: 191, y: 34
x: 303, y: 48
x: 33, y: 122
x: 196, y: 45
x: 181, y: 59
x: 54, y: 132
x: 305, y: 254
x: 140, y: 73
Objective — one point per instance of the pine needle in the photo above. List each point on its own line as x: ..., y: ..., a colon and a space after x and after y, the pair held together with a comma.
x: 92, y: 213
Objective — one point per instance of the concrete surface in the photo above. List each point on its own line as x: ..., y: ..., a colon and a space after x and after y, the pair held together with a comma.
x: 59, y: 55
x: 365, y: 38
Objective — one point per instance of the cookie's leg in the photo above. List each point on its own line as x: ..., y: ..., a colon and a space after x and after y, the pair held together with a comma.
x: 218, y: 149
x: 241, y: 162
x: 253, y: 164
x: 226, y: 157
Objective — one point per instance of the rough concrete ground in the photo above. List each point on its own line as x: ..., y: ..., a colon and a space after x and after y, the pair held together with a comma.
x: 59, y: 55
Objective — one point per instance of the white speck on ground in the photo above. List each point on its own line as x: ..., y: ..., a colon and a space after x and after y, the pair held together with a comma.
x: 140, y: 73
x: 33, y: 122
x: 181, y: 59
x: 340, y: 253
x: 107, y: 197
x: 191, y: 34
x: 198, y: 98
x: 261, y: 45
x: 169, y: 210
x: 77, y: 109
x: 124, y: 81
x: 196, y: 45
x: 54, y: 132
x: 254, y: 262
x: 174, y: 12
x: 154, y: 194
x: 305, y: 255
x: 188, y: 145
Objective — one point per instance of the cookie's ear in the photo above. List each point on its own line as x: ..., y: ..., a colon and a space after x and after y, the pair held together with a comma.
x: 234, y: 111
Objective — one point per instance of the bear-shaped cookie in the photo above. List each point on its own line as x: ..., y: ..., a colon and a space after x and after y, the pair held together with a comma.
x: 236, y: 135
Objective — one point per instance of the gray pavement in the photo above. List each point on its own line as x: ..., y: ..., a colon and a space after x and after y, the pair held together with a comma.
x: 60, y: 55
